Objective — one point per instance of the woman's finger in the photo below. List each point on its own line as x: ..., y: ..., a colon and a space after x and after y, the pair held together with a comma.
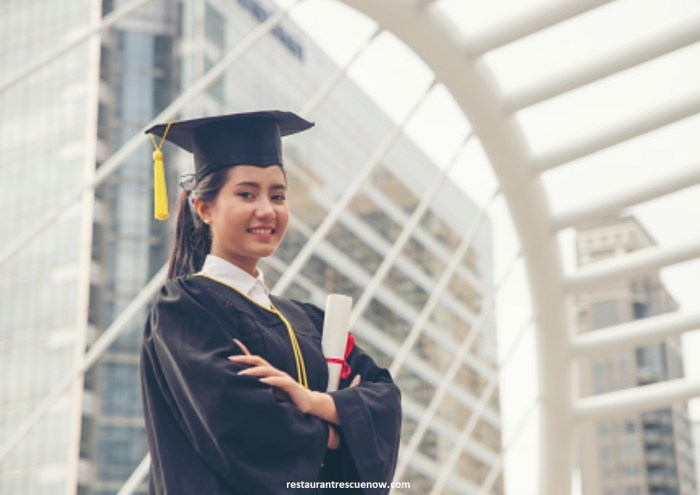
x: 243, y: 347
x: 355, y: 381
x: 262, y: 371
x: 248, y: 359
x: 275, y: 381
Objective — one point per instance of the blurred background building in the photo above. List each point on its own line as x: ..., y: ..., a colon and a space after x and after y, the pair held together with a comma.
x: 48, y: 138
x: 650, y: 452
x: 76, y: 279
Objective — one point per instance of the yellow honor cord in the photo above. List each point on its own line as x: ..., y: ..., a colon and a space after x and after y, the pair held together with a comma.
x: 298, y: 357
x: 160, y: 192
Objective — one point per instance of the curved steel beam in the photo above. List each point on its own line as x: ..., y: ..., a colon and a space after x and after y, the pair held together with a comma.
x: 607, y: 65
x: 606, y: 137
x: 537, y: 18
x: 611, y: 205
x: 636, y: 400
x: 433, y: 37
x: 640, y: 262
x: 634, y: 333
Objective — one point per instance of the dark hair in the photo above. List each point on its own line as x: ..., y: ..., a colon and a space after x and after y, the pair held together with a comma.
x: 192, y: 235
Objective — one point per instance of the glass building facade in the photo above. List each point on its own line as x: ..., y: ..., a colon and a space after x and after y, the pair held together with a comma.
x: 103, y: 252
x: 649, y: 453
x: 136, y: 83
x: 47, y: 148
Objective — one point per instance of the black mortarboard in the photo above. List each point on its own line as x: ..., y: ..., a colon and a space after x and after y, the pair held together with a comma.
x: 252, y: 138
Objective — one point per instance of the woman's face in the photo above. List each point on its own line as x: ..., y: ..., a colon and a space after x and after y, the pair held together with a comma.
x: 249, y: 217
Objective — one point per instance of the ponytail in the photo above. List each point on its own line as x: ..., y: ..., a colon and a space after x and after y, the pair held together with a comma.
x: 192, y: 235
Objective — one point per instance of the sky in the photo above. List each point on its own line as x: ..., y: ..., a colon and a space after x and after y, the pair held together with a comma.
x: 391, y: 74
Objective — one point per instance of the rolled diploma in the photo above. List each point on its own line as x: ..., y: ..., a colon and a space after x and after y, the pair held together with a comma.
x: 336, y: 326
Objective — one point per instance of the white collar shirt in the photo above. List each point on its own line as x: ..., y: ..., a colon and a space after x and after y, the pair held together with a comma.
x: 224, y: 271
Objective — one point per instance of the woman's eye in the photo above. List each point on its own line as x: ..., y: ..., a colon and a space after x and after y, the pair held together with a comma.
x: 246, y: 195
x: 279, y: 197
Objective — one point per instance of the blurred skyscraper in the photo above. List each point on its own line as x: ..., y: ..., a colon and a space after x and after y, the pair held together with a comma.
x: 66, y: 287
x: 643, y: 454
x: 48, y: 145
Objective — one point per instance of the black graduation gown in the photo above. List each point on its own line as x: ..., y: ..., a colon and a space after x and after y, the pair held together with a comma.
x: 212, y: 431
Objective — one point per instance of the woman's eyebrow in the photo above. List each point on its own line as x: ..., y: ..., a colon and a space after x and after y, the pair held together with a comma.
x: 255, y: 184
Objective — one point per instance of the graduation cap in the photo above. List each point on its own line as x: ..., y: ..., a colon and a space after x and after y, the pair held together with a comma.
x: 252, y: 138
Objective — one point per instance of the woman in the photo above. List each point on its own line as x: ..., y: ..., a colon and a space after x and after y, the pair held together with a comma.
x: 234, y: 378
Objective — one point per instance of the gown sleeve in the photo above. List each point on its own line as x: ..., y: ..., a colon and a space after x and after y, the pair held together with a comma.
x: 252, y: 441
x: 370, y: 416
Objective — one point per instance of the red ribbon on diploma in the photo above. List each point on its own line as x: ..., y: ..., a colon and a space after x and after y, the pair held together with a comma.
x: 345, y: 372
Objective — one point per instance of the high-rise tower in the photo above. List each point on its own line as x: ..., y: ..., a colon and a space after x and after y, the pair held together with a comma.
x: 642, y: 454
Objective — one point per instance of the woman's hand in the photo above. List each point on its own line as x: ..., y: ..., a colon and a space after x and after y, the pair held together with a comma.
x: 318, y: 404
x: 260, y: 368
x: 333, y: 438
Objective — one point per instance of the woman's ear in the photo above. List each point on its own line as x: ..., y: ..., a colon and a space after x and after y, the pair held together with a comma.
x: 203, y: 210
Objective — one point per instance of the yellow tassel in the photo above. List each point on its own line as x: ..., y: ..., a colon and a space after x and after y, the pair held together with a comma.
x: 160, y: 193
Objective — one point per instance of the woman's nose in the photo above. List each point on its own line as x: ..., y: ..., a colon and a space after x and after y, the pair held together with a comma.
x: 265, y: 209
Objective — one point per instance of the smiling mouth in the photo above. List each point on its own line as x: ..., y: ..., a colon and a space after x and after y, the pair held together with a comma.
x: 262, y: 231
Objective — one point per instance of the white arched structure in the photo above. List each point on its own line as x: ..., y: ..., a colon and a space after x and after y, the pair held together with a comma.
x: 431, y: 35
x: 457, y: 62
